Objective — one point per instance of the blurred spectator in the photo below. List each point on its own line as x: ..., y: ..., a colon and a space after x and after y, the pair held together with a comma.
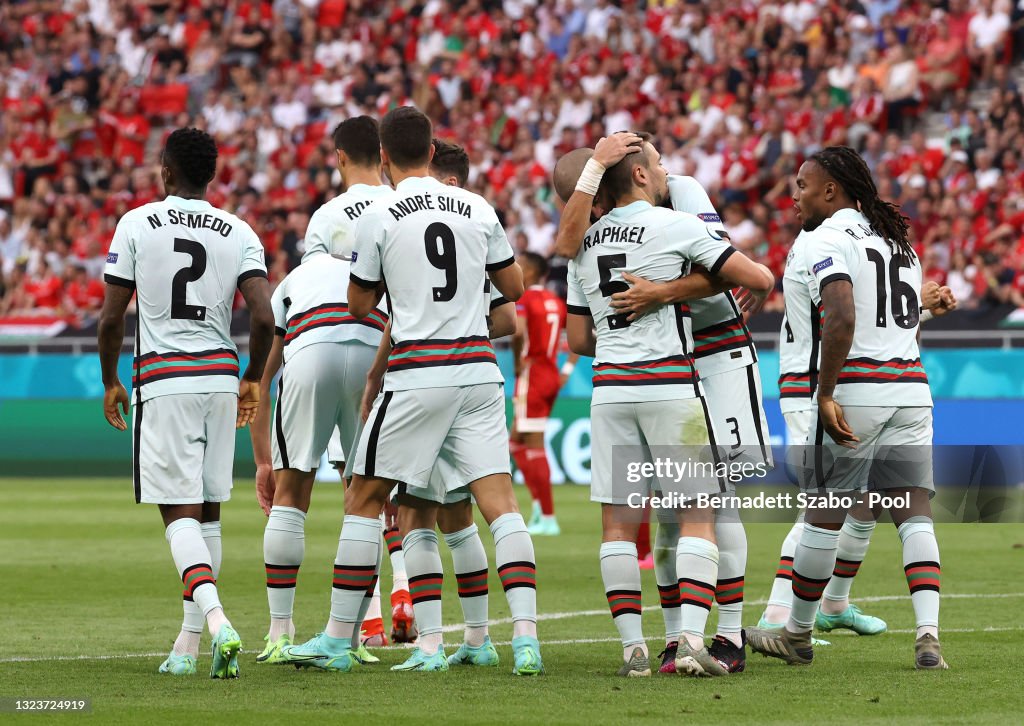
x: 736, y: 94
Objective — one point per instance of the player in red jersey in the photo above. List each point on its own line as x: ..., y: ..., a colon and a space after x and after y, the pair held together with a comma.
x: 540, y: 318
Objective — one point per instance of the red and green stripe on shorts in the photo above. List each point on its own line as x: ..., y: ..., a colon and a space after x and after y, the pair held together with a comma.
x: 414, y: 354
x: 162, y: 366
x: 194, y: 576
x: 673, y: 370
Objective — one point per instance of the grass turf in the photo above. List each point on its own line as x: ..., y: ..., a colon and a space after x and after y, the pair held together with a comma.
x: 93, y: 603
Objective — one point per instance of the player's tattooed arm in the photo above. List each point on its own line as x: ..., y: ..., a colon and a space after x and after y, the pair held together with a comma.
x: 644, y: 296
x: 836, y: 339
x: 576, y: 215
x: 579, y: 329
x: 109, y: 338
x: 259, y: 430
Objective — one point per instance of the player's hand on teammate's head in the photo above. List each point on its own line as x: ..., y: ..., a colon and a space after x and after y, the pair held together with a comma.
x: 642, y: 297
x: 265, y: 487
x: 610, y: 150
x: 115, y: 396
x: 834, y: 423
x: 248, y: 402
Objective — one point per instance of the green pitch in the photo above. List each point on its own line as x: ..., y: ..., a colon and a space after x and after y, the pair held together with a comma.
x: 93, y: 606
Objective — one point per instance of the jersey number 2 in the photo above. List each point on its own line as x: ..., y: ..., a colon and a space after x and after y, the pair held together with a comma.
x: 442, y: 256
x: 181, y: 310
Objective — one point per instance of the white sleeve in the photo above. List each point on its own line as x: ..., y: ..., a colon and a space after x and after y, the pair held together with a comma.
x: 317, y: 239
x: 687, y: 195
x: 575, y: 300
x: 699, y: 242
x: 253, y: 263
x: 499, y: 251
x: 279, y: 308
x: 120, y: 267
x: 366, y: 266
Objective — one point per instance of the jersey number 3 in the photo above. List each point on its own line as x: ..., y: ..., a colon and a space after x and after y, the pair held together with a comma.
x: 181, y: 310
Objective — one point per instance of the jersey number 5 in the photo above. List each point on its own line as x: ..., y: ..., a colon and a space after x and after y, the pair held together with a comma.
x: 608, y: 286
x: 439, y: 241
x: 181, y: 310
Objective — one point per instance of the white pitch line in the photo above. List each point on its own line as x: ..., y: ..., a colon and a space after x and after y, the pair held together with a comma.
x: 588, y: 641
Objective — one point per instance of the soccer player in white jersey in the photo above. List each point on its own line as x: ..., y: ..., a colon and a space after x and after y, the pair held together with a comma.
x: 871, y: 399
x: 799, y: 358
x: 185, y: 259
x: 331, y: 227
x: 326, y: 354
x: 727, y: 364
x: 435, y: 245
x: 647, y: 391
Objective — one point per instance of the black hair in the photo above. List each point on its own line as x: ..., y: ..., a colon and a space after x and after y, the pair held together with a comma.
x: 192, y: 154
x: 618, y: 179
x: 359, y: 138
x: 539, y: 262
x: 850, y: 172
x: 406, y: 134
x: 451, y: 160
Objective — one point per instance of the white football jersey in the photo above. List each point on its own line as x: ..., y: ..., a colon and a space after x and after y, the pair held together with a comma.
x: 799, y: 339
x: 331, y: 226
x: 720, y: 337
x: 651, y: 358
x: 433, y: 245
x: 883, y: 367
x: 311, y: 306
x: 185, y: 259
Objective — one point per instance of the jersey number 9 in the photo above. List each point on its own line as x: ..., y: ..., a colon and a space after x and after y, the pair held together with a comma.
x: 439, y: 241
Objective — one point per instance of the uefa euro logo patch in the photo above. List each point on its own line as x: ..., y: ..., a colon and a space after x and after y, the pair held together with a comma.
x: 819, y: 266
x: 111, y: 257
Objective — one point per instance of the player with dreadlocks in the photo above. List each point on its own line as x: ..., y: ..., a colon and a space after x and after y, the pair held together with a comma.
x: 872, y: 396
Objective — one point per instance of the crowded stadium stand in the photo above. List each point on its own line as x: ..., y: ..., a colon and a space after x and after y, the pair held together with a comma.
x: 737, y: 94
